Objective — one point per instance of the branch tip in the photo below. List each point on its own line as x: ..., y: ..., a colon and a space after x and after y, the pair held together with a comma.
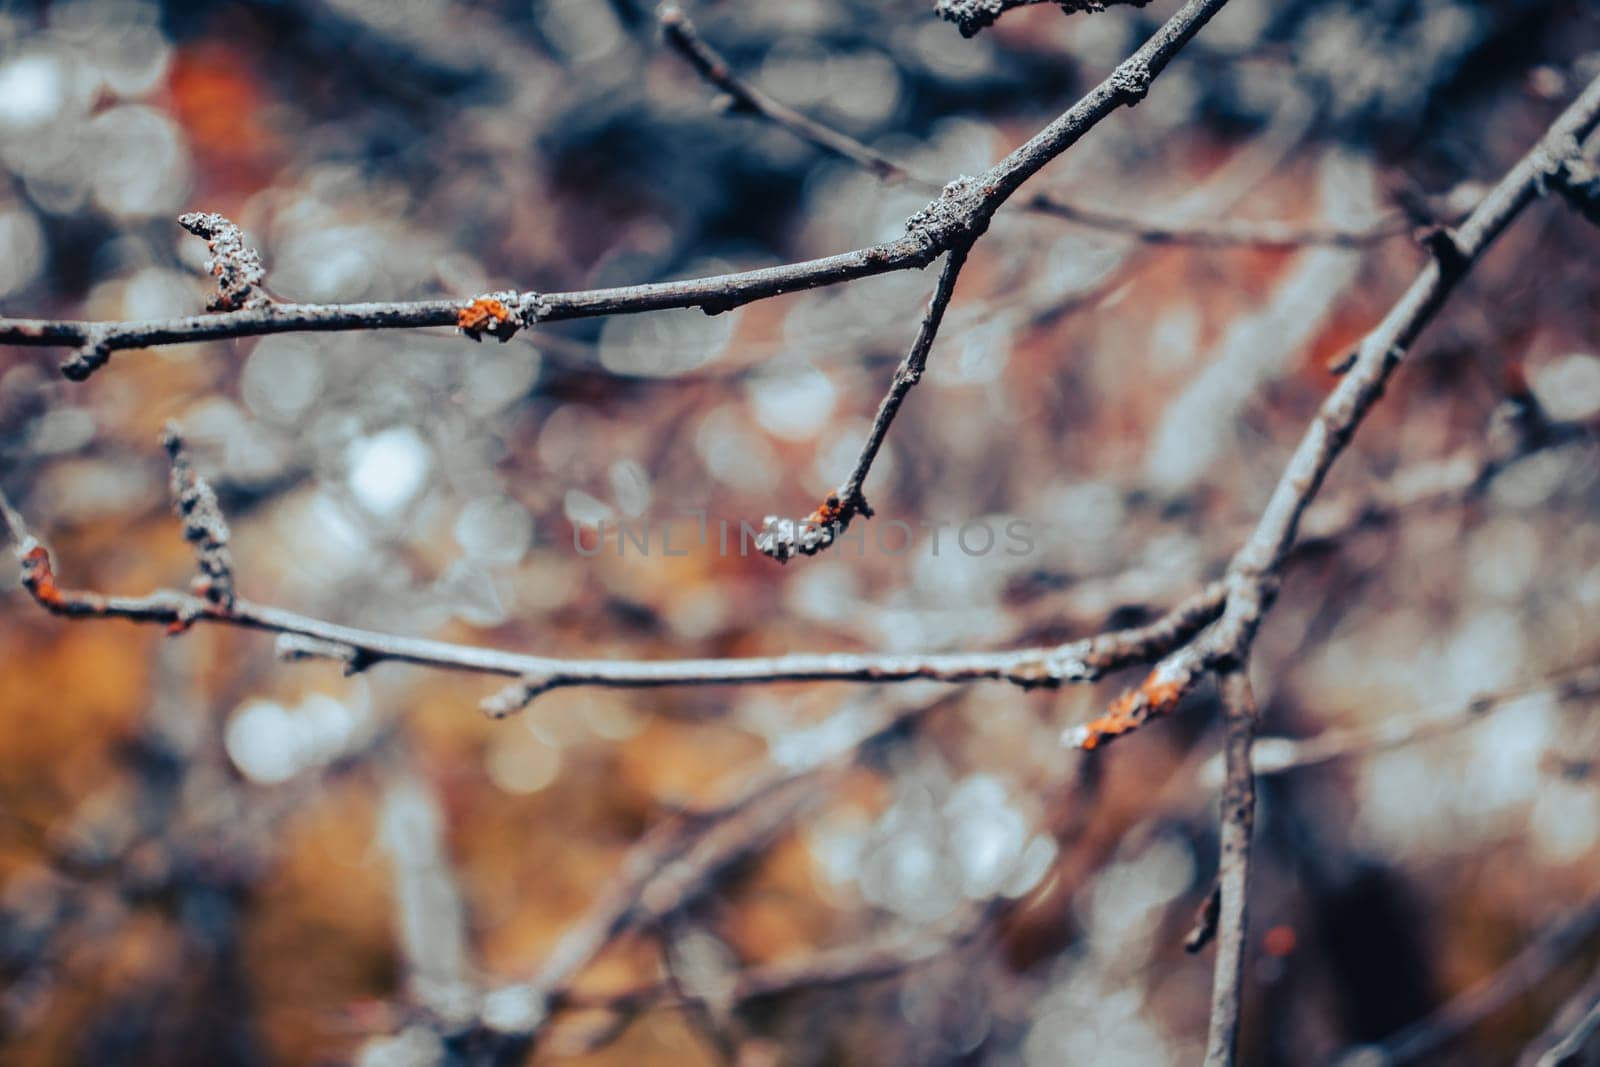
x: 518, y: 695
x: 204, y: 527
x: 236, y: 266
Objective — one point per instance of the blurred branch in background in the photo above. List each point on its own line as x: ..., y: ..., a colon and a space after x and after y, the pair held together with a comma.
x: 1550, y: 948
x: 741, y: 97
x: 1083, y: 660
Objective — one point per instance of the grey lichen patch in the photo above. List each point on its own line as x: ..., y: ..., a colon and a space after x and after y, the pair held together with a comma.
x: 783, y: 539
x: 236, y: 266
x: 203, y: 524
x: 959, y: 207
x: 1132, y: 80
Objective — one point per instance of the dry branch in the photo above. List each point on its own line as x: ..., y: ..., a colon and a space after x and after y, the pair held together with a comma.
x: 1280, y: 755
x: 1075, y: 661
x: 1254, y: 572
x: 203, y: 525
x: 961, y: 212
x: 783, y: 539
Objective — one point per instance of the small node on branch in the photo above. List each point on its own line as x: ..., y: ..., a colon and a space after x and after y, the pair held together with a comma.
x: 1205, y: 921
x: 86, y: 360
x: 970, y: 16
x: 489, y: 314
x: 293, y: 648
x: 783, y: 539
x: 1132, y: 81
x: 1440, y: 241
x: 958, y: 207
x: 518, y: 695
x: 1340, y: 365
x: 235, y: 265
x: 203, y: 524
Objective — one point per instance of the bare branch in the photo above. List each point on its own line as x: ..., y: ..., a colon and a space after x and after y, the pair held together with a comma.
x: 742, y: 96
x: 1579, y: 181
x: 1279, y: 755
x: 783, y: 539
x: 1253, y: 574
x: 431, y: 916
x: 1075, y: 661
x: 1571, y: 1031
x: 203, y: 524
x: 955, y: 218
x: 881, y: 957
x: 236, y: 266
x: 1233, y: 868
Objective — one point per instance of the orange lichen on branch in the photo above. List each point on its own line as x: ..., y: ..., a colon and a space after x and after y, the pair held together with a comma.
x: 39, y: 578
x: 1157, y: 695
x: 487, y: 315
x: 833, y: 510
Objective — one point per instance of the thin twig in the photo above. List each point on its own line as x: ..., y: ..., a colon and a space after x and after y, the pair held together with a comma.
x: 744, y: 97
x: 203, y: 525
x: 1233, y: 868
x: 783, y: 539
x: 1549, y: 949
x: 1570, y: 1033
x: 430, y: 914
x: 960, y: 212
x: 1075, y: 661
x: 881, y: 957
x: 1279, y: 755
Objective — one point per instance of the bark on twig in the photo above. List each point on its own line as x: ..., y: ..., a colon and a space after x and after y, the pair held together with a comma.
x: 950, y: 220
x: 1075, y: 661
x: 782, y: 539
x: 203, y: 524
x: 1233, y: 868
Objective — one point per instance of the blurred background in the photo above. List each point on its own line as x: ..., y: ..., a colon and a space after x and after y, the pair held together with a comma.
x: 209, y: 856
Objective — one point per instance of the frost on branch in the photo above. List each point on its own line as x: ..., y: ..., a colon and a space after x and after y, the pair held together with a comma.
x: 970, y: 16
